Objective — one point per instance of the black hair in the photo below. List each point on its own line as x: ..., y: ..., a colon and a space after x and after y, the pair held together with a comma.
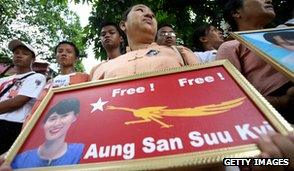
x: 64, y: 106
x: 162, y: 25
x: 230, y: 8
x: 126, y: 13
x: 121, y: 33
x: 77, y: 52
x: 287, y: 35
x: 107, y: 23
x: 198, y: 33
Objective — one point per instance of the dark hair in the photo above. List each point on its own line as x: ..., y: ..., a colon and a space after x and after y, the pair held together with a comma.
x: 63, y: 107
x: 107, y: 23
x: 77, y: 52
x: 126, y: 13
x: 288, y: 35
x: 230, y: 8
x: 200, y: 32
x: 163, y: 25
x: 121, y: 33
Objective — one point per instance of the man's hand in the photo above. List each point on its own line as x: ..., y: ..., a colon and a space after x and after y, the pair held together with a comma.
x: 4, y: 167
x: 278, y: 146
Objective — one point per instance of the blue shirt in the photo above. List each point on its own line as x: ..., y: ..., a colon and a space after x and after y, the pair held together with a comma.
x: 31, y: 158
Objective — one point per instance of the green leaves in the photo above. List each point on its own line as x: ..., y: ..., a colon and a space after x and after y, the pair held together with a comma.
x: 42, y: 23
x: 175, y: 12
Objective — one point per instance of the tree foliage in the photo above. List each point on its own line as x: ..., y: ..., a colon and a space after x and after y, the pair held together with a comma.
x: 185, y: 15
x: 42, y: 23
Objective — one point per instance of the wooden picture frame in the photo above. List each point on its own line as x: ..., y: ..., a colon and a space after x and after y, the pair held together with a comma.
x: 272, y: 46
x: 181, y: 117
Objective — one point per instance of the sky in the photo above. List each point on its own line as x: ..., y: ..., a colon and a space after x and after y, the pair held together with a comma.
x: 83, y: 11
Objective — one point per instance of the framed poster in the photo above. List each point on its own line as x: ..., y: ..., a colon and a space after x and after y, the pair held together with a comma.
x: 275, y: 46
x: 188, y: 116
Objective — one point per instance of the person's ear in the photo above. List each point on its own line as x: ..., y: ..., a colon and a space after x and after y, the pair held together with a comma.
x: 121, y: 39
x: 33, y: 60
x: 122, y: 26
x: 203, y: 39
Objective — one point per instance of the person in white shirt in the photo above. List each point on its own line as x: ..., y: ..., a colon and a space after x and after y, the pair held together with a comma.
x: 207, y: 39
x: 67, y: 54
x: 18, y: 93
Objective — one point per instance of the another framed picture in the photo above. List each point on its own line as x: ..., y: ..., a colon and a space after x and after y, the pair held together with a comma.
x: 182, y: 117
x: 275, y: 46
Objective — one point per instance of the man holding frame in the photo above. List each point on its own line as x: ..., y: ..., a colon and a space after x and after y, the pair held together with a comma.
x: 245, y: 15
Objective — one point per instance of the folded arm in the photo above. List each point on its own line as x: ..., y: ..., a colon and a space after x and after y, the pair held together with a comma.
x: 13, y: 104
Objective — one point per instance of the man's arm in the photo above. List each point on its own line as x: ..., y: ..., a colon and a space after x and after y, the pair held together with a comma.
x: 13, y: 104
x: 93, y: 76
x: 229, y: 50
x: 188, y: 55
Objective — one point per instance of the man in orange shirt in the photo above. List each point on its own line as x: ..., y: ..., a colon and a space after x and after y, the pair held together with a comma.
x: 140, y: 25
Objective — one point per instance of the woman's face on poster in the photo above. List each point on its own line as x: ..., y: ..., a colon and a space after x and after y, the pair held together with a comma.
x: 57, y: 125
x: 287, y: 44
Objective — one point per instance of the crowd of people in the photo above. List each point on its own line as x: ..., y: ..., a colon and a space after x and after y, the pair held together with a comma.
x: 150, y: 48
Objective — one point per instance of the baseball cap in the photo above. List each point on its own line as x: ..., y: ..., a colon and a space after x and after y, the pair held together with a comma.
x: 15, y: 43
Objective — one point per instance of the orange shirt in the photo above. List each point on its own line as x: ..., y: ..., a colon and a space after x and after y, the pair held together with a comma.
x: 260, y: 74
x: 153, y: 58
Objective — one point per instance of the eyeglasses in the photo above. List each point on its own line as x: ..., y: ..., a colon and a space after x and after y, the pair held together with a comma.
x: 172, y: 34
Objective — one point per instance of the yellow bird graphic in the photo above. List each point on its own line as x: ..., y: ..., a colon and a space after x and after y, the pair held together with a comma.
x: 148, y: 114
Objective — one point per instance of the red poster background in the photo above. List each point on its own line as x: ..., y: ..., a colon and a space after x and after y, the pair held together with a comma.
x: 108, y: 128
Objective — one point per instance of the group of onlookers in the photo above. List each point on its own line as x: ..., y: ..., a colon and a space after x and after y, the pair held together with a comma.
x: 20, y: 92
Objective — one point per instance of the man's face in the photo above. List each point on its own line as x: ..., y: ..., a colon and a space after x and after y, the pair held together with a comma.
x: 141, y: 19
x: 22, y: 57
x: 166, y: 36
x: 287, y: 44
x: 56, y: 126
x: 110, y: 37
x: 65, y: 55
x: 258, y: 9
x: 214, y: 37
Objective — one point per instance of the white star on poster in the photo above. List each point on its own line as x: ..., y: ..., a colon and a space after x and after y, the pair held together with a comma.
x: 98, y: 105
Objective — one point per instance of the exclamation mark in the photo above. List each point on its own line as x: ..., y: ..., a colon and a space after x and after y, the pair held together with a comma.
x: 151, y: 86
x: 220, y: 76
